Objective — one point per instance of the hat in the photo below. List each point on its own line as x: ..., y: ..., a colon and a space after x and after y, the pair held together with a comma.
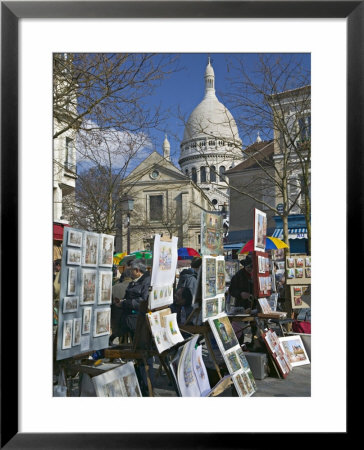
x: 247, y: 261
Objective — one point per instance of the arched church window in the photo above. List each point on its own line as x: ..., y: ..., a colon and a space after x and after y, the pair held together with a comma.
x: 203, y: 174
x: 211, y: 142
x: 186, y: 172
x: 222, y: 173
x: 213, y: 174
x: 194, y: 174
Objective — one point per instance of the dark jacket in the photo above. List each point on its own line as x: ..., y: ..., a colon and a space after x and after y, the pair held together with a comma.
x: 136, y: 292
x: 187, y: 280
x: 241, y: 282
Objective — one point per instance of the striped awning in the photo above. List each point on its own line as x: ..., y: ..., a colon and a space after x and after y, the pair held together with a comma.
x: 293, y: 233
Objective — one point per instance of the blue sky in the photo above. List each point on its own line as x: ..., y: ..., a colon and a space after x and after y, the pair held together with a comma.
x: 185, y: 90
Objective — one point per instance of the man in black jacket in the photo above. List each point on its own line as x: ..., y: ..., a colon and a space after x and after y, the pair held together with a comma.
x: 136, y: 294
x: 241, y: 284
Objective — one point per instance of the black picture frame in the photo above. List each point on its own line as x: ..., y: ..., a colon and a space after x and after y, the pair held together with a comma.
x: 11, y: 12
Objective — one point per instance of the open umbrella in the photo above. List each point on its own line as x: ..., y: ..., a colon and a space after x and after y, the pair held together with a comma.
x: 117, y: 257
x: 187, y: 253
x: 146, y: 254
x: 271, y: 243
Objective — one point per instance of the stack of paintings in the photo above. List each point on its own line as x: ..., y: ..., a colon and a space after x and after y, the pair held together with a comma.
x: 233, y: 355
x: 277, y: 351
x: 86, y: 290
x: 164, y: 328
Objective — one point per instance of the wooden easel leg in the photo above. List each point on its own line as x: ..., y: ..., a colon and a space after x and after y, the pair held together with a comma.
x: 150, y: 387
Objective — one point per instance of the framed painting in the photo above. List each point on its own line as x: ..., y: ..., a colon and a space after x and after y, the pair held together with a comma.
x: 73, y: 256
x: 70, y: 304
x: 102, y: 321
x: 295, y: 350
x: 71, y: 281
x: 74, y: 238
x: 106, y: 250
x: 88, y: 287
x: 105, y: 287
x: 21, y: 433
x: 260, y: 230
x: 86, y: 319
x: 90, y: 249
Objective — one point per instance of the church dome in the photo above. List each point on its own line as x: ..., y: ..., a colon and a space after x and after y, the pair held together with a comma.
x: 211, y: 119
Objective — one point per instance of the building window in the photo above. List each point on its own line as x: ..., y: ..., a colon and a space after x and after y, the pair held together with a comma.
x: 156, y: 207
x: 212, y: 143
x: 304, y: 125
x: 203, y: 174
x: 222, y: 173
x: 214, y: 201
x: 68, y: 160
x: 213, y: 174
x: 194, y: 174
x: 186, y: 171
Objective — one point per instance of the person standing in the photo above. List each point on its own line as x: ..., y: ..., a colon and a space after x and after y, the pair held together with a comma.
x: 186, y: 290
x: 118, y: 293
x: 241, y: 285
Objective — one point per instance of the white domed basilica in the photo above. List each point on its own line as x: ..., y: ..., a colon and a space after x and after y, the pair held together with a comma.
x: 211, y: 144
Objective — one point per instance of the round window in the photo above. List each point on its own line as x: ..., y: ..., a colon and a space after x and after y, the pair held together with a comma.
x: 214, y: 201
x: 154, y: 174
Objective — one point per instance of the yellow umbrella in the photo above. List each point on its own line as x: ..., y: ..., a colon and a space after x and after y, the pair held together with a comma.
x: 118, y: 257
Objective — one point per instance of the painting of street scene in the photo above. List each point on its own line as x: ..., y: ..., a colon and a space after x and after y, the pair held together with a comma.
x: 295, y: 350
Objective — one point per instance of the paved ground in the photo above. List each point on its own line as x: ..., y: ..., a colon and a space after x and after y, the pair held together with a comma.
x: 297, y: 384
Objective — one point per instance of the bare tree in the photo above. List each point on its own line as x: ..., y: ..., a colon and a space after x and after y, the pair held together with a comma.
x: 102, y: 98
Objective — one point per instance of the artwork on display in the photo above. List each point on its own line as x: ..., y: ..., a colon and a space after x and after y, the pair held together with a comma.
x: 262, y: 278
x: 231, y: 268
x: 70, y: 304
x: 73, y: 256
x: 76, y: 332
x: 164, y: 328
x: 299, y: 269
x: 212, y: 307
x: 119, y: 382
x: 72, y: 281
x: 192, y: 375
x: 106, y: 250
x: 295, y: 350
x: 260, y: 230
x: 165, y: 258
x: 220, y: 275
x: 264, y: 305
x: 105, y: 287
x: 223, y: 332
x: 276, y: 350
x: 297, y: 293
x: 74, y: 238
x: 88, y: 286
x: 212, y: 233
x: 273, y: 301
x: 90, y: 249
x: 67, y: 334
x: 102, y: 322
x: 86, y: 319
x: 160, y: 296
x: 208, y: 277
